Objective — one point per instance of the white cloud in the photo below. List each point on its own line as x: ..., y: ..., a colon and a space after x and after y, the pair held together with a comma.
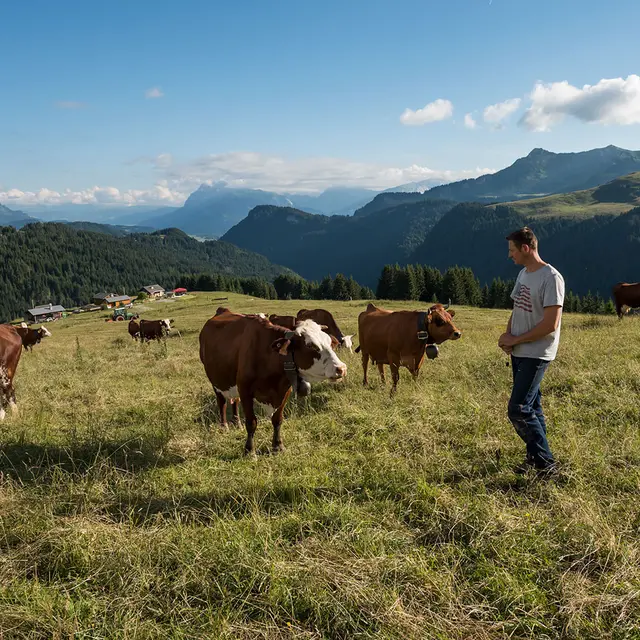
x: 158, y: 194
x: 272, y: 173
x: 438, y: 110
x: 70, y: 104
x: 495, y: 114
x: 469, y: 121
x: 154, y: 92
x: 610, y: 101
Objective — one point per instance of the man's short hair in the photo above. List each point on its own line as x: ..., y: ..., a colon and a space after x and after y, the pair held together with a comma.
x: 524, y: 236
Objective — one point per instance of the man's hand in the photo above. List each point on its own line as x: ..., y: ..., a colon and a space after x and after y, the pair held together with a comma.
x: 507, y: 340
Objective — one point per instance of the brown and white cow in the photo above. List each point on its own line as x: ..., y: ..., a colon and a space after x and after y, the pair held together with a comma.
x: 401, y: 338
x: 324, y: 317
x: 248, y: 357
x: 626, y: 294
x: 31, y: 336
x: 154, y: 329
x: 10, y: 351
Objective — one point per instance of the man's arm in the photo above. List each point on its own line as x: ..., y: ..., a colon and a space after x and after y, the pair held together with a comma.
x: 547, y: 325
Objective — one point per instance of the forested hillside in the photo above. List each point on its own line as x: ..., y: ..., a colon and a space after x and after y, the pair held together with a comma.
x: 50, y: 262
x: 316, y: 245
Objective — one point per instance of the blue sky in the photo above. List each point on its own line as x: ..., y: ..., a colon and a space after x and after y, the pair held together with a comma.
x: 145, y: 100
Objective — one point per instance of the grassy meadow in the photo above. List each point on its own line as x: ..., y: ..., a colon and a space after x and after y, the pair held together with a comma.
x: 123, y: 514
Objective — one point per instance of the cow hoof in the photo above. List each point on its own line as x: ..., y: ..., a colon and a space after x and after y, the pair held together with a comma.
x: 251, y: 455
x: 278, y: 448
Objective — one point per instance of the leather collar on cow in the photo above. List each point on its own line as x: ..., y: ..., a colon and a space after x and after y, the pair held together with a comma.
x: 298, y: 385
x: 423, y: 328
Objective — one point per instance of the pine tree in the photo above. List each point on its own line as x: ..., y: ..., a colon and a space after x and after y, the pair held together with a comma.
x: 340, y: 288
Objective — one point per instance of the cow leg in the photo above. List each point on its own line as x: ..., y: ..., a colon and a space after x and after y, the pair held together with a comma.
x: 395, y: 375
x: 365, y: 366
x: 235, y: 403
x: 276, y: 421
x: 381, y: 372
x: 222, y: 408
x: 251, y: 423
x: 619, y: 310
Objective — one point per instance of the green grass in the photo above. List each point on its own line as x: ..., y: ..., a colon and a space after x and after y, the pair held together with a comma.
x: 123, y: 516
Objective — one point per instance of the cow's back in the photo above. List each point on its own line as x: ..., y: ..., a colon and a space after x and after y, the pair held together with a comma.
x: 10, y: 349
x: 381, y: 331
x: 220, y: 346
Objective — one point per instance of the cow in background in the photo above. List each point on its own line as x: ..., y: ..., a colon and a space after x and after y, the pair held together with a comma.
x: 401, y: 338
x: 10, y: 351
x: 626, y: 294
x: 154, y: 329
x: 30, y: 336
x: 134, y: 328
x: 324, y: 317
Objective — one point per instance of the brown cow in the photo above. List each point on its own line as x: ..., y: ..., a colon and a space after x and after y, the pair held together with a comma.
x: 154, y: 329
x: 134, y: 328
x: 400, y: 338
x: 323, y: 317
x: 289, y: 322
x: 250, y: 358
x: 31, y: 336
x: 10, y: 351
x: 626, y: 294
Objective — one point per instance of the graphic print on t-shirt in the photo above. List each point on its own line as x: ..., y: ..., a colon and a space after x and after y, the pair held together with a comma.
x: 523, y: 299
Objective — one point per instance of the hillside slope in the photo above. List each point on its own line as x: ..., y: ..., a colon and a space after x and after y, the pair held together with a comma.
x: 615, y: 197
x: 316, y: 245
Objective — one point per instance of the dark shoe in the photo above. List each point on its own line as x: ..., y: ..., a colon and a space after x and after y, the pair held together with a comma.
x: 524, y: 467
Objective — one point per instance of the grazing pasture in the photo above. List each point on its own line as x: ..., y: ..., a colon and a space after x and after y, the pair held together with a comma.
x: 124, y: 515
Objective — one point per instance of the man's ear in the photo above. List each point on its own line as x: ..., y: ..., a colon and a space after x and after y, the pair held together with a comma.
x: 281, y: 345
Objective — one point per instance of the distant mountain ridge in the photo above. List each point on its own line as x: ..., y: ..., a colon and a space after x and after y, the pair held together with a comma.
x: 9, y: 217
x: 212, y: 210
x: 542, y: 173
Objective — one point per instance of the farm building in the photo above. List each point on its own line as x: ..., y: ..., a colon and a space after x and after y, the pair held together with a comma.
x: 100, y: 298
x: 153, y: 290
x: 176, y: 293
x: 114, y: 302
x: 45, y: 313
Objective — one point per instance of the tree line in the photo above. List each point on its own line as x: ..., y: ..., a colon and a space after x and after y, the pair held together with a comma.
x: 460, y: 286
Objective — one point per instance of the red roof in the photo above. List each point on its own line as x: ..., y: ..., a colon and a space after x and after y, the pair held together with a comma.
x: 180, y: 290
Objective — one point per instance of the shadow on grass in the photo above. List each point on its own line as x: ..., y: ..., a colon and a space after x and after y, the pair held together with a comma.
x: 39, y: 464
x: 201, y: 508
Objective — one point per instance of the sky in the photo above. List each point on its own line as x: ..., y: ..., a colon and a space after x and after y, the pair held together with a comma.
x: 141, y: 102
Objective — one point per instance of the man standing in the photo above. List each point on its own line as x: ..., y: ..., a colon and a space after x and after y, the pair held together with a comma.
x: 532, y: 337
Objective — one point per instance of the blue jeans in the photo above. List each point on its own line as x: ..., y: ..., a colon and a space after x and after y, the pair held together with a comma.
x: 525, y: 409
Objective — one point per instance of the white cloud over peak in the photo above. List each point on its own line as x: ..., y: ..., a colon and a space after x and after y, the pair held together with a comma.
x: 175, y: 182
x: 469, y: 121
x: 495, y: 114
x: 154, y: 92
x: 433, y: 112
x: 612, y: 101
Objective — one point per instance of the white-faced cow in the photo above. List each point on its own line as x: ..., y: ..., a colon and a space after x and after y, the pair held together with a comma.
x: 10, y: 351
x: 30, y: 336
x: 249, y: 358
x: 154, y: 329
x: 324, y: 317
x: 401, y: 338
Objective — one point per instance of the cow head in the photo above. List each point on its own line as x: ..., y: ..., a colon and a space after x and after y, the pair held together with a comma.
x: 440, y: 324
x: 347, y: 342
x: 166, y: 324
x: 312, y: 352
x: 43, y: 332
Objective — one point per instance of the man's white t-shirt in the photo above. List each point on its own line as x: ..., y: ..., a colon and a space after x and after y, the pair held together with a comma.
x: 533, y: 291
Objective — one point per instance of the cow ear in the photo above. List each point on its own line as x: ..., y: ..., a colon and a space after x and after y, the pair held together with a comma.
x: 281, y: 345
x: 452, y: 313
